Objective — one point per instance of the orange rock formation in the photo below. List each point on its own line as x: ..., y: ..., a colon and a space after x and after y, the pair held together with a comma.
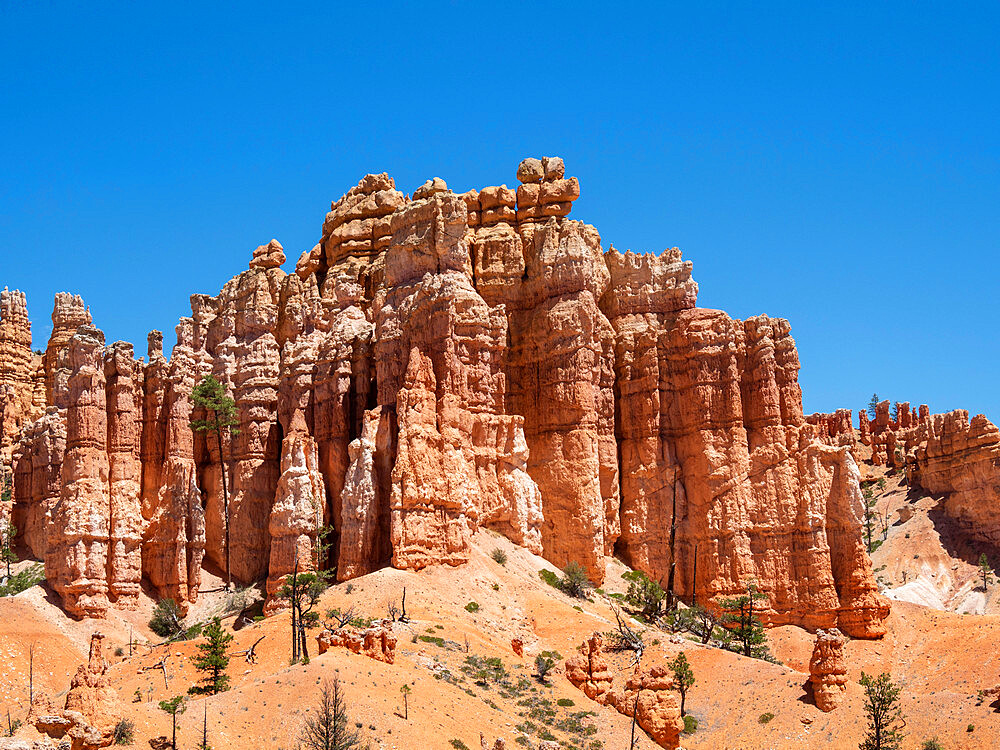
x: 437, y: 364
x: 827, y: 669
x: 649, y: 692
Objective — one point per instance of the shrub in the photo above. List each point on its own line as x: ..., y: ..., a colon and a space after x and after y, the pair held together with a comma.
x: 575, y: 581
x: 690, y: 724
x: 550, y: 578
x: 932, y: 744
x: 970, y: 728
x: 644, y: 594
x: 543, y: 665
x: 166, y: 620
x: 458, y: 745
x: 23, y: 581
x: 119, y: 651
x: 472, y: 607
x: 565, y: 702
x: 499, y: 556
x: 765, y: 718
x: 124, y: 732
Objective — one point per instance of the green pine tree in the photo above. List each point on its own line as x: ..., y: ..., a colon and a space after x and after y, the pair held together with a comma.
x: 683, y: 676
x: 885, y: 716
x: 214, y: 659
x: 220, y: 416
x: 743, y: 629
x: 8, y: 533
x: 175, y: 707
x: 985, y: 570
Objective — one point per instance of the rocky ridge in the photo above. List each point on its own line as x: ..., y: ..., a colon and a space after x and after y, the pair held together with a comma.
x: 436, y: 364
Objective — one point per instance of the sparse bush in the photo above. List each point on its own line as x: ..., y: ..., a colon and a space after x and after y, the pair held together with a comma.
x: 575, y: 581
x: 18, y: 582
x: 970, y: 728
x: 690, y: 724
x: 931, y: 744
x: 124, y: 733
x: 166, y: 620
x: 119, y: 651
x: 499, y: 556
x: 495, y: 587
x: 765, y: 718
x: 472, y: 607
x: 543, y: 665
x: 458, y: 745
x: 550, y: 578
x: 644, y: 594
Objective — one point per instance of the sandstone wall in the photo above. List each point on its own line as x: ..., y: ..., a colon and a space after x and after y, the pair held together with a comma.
x: 950, y: 454
x: 435, y: 364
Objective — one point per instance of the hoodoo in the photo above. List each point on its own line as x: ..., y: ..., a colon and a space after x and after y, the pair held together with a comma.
x: 436, y: 364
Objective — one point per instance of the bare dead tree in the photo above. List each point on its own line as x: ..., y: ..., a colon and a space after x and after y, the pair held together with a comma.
x: 342, y: 619
x: 250, y: 653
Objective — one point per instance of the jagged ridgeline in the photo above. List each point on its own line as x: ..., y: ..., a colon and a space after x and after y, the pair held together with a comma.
x: 436, y: 364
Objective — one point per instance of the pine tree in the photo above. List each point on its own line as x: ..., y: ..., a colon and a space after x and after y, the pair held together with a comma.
x: 683, y: 676
x: 8, y: 533
x: 885, y: 716
x: 873, y: 406
x: 985, y: 570
x: 743, y: 629
x: 327, y: 726
x: 302, y: 591
x: 175, y: 707
x: 220, y: 416
x: 214, y: 659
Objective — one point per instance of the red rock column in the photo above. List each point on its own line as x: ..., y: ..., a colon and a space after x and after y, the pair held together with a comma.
x: 16, y: 387
x: 76, y: 563
x: 125, y: 563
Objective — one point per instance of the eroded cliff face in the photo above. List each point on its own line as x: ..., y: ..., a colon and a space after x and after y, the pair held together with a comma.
x: 959, y: 458
x: 436, y: 364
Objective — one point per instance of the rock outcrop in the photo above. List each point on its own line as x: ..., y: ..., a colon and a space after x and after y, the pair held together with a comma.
x: 92, y: 707
x: 436, y: 364
x: 17, y: 368
x: 959, y: 458
x: 377, y: 642
x: 828, y: 670
x: 649, y: 693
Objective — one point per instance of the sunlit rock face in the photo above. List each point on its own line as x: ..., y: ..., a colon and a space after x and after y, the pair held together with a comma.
x: 435, y: 364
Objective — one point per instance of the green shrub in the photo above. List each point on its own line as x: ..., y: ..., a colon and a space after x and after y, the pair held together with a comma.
x: 932, y: 744
x: 166, y: 620
x: 124, y: 732
x: 550, y: 578
x: 472, y: 607
x: 565, y: 702
x: 575, y: 581
x: 690, y: 724
x: 499, y: 556
x: 970, y: 728
x: 458, y: 745
x: 765, y: 718
x: 23, y: 581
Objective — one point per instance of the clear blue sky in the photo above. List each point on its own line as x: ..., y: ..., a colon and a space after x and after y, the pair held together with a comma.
x: 838, y: 166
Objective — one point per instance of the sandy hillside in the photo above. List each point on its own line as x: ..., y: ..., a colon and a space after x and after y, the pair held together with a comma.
x: 941, y: 658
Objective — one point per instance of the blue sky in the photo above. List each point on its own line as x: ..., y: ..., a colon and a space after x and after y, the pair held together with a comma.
x: 838, y: 166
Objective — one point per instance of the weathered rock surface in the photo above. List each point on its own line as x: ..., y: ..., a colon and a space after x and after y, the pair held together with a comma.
x: 950, y: 454
x: 92, y: 706
x: 649, y: 692
x: 432, y: 366
x: 828, y: 670
x: 377, y: 642
x: 17, y: 368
